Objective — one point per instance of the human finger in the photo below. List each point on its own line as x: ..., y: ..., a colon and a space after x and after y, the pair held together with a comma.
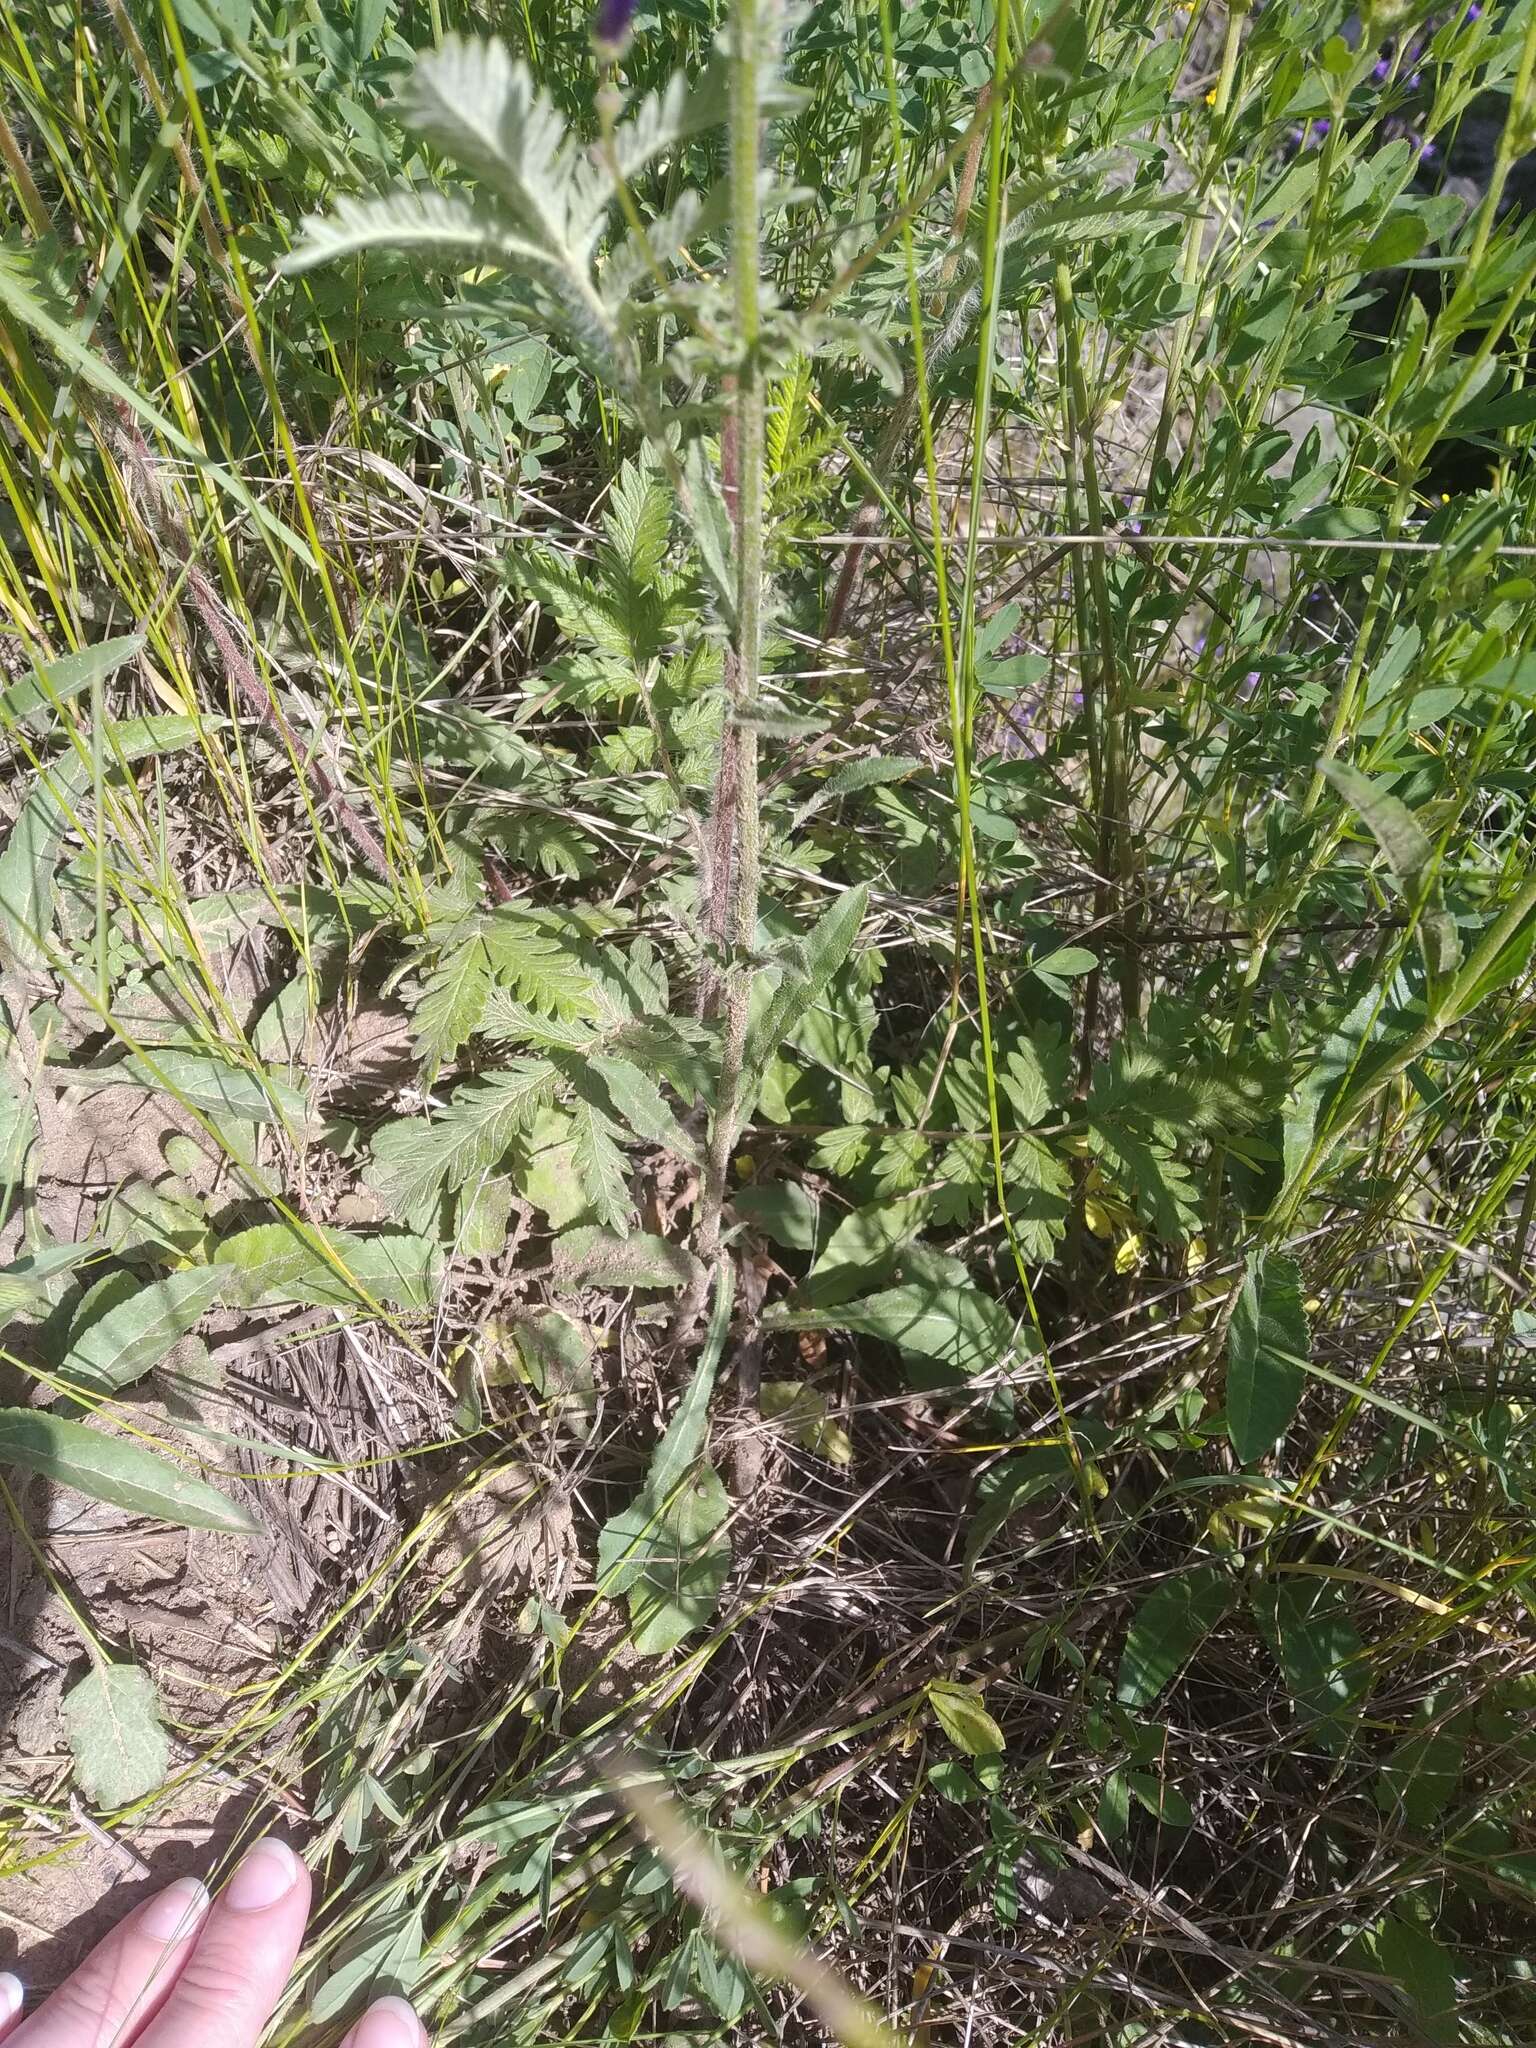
x: 388, y: 2023
x: 228, y: 1987
x: 13, y: 1997
x: 124, y: 1979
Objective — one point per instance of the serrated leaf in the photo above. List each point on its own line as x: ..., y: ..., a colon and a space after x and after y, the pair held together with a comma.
x: 1033, y: 1077
x: 451, y: 1003
x: 638, y: 522
x: 638, y: 1101
x: 961, y: 1714
x: 1160, y: 1185
x: 120, y: 1748
x: 446, y: 227
x: 274, y: 1262
x: 600, y: 1165
x: 1267, y: 1343
x: 480, y: 106
x: 117, y: 1470
x: 583, y: 608
x: 1167, y: 1629
x: 838, y: 334
x: 132, y: 1338
x: 413, y: 1161
x: 683, y: 107
x: 1411, y: 858
x: 802, y: 983
x: 541, y: 971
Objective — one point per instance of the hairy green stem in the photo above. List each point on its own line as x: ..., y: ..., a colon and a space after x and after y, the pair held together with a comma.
x: 739, y: 747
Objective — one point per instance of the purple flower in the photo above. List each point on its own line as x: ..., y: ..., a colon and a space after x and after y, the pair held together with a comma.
x: 1474, y: 12
x: 1415, y: 80
x: 1380, y: 68
x: 1134, y: 526
x: 1426, y: 150
x: 1247, y: 686
x: 1320, y: 128
x: 611, y: 26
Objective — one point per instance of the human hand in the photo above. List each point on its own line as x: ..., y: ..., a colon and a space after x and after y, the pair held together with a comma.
x: 181, y: 1972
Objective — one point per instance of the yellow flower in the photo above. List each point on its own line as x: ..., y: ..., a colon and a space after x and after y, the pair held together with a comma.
x: 1210, y: 98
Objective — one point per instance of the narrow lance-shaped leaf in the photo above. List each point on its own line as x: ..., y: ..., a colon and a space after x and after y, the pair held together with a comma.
x: 1411, y: 857
x: 34, y: 699
x: 134, y: 1337
x: 27, y: 888
x: 664, y: 1550
x: 117, y: 1470
x: 276, y: 1262
x: 1268, y: 1343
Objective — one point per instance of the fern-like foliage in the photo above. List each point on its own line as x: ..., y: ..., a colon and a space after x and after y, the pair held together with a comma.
x: 415, y: 1162
x: 479, y: 106
x: 541, y: 199
x: 505, y: 949
x: 1168, y: 1085
x: 628, y: 607
x: 594, y: 1044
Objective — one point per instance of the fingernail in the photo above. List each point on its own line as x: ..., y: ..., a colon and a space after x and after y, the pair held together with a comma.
x: 177, y: 1910
x: 268, y: 1872
x: 391, y: 2023
x: 12, y: 1996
